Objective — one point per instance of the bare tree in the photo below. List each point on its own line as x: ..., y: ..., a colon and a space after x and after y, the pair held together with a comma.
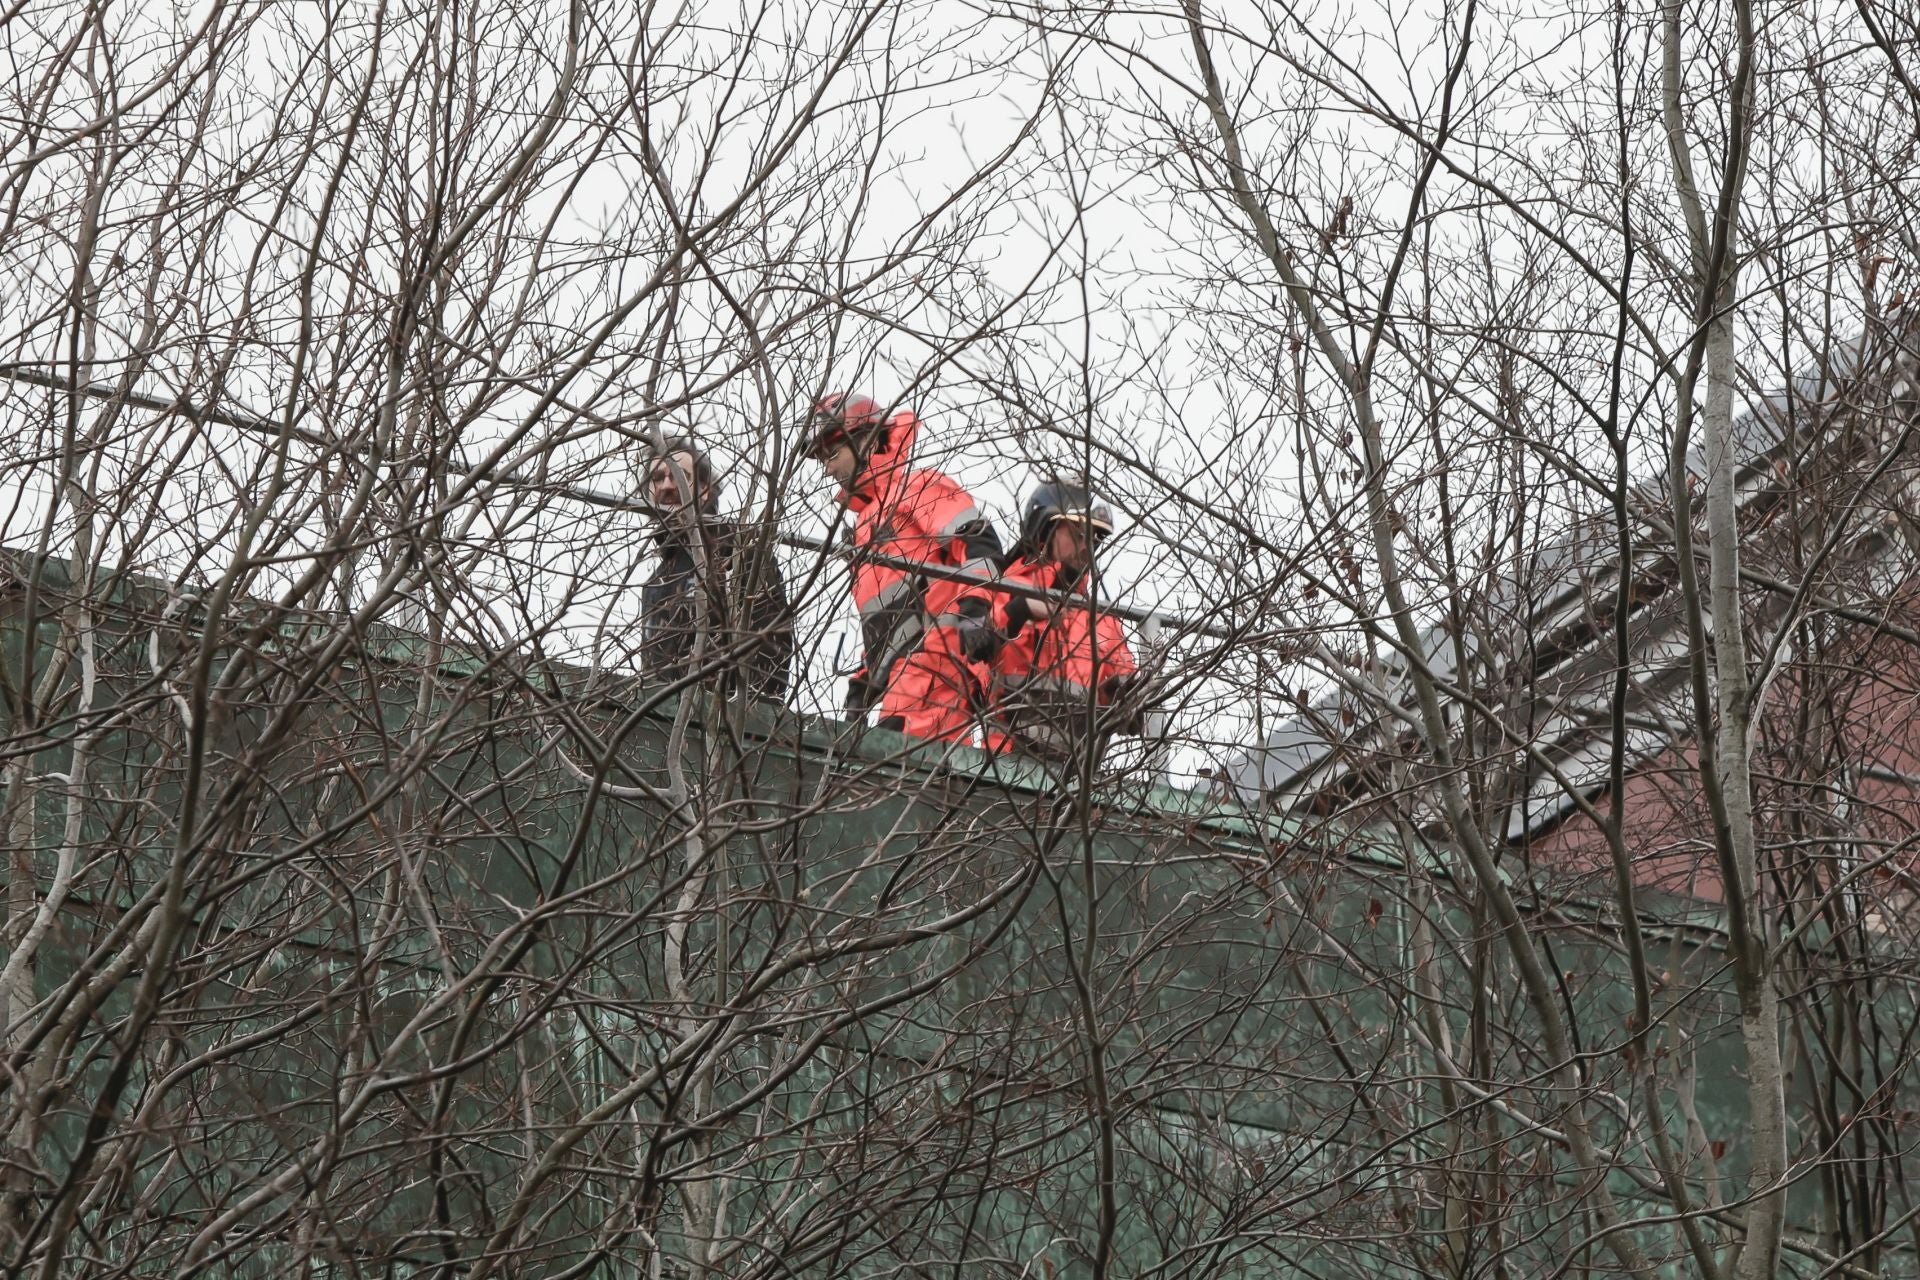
x: 335, y: 342
x: 1541, y: 557
x: 1510, y: 413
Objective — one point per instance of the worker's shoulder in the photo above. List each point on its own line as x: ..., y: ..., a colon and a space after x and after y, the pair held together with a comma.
x: 1023, y: 568
x: 928, y: 484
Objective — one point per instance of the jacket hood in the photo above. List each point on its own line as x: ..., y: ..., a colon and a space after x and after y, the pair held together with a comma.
x: 885, y: 467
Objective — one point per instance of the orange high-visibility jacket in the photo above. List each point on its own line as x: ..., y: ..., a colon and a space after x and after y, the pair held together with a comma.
x: 1032, y: 680
x: 914, y: 514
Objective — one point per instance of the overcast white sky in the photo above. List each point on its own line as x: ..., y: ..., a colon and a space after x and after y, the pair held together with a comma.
x: 1131, y: 313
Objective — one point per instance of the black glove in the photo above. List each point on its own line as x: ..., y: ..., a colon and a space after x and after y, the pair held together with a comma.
x: 1128, y: 697
x: 861, y: 695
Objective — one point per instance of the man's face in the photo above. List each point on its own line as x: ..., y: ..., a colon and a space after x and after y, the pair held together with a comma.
x: 1070, y: 546
x: 840, y: 461
x: 662, y: 485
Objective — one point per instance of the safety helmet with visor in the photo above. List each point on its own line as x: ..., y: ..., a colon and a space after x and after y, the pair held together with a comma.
x: 1055, y: 500
x: 843, y: 417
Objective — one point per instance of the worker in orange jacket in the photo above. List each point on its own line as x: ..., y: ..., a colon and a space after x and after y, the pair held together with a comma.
x: 1046, y: 676
x: 907, y: 513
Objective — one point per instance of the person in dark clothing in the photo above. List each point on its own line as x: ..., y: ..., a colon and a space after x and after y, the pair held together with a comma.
x: 716, y: 604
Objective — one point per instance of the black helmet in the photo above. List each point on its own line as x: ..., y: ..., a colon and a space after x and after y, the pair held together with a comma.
x: 1056, y: 500
x: 843, y: 416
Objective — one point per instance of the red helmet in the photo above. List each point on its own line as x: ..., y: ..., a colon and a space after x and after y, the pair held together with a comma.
x: 843, y: 415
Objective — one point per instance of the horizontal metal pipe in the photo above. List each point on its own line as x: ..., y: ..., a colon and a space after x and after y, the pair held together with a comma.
x: 33, y: 375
